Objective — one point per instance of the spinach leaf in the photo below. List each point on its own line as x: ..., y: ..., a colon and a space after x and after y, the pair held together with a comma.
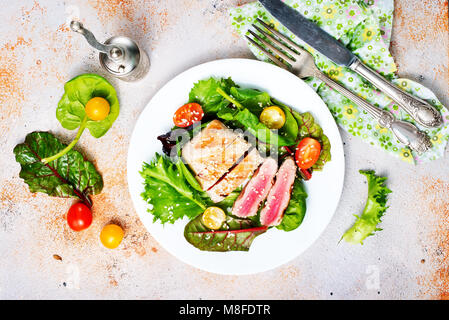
x: 309, y: 128
x: 205, y: 93
x: 168, y: 191
x: 78, y: 91
x: 244, y: 118
x: 251, y: 123
x: 252, y: 99
x: 71, y: 108
x: 375, y: 207
x: 69, y: 176
x: 291, y: 127
x: 296, y: 210
x: 234, y: 235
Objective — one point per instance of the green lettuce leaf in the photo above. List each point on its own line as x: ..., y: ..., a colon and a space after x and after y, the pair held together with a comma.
x: 168, y: 192
x: 234, y: 235
x: 366, y: 223
x: 296, y: 210
x: 205, y: 93
x: 190, y: 178
x: 78, y: 91
x: 68, y: 176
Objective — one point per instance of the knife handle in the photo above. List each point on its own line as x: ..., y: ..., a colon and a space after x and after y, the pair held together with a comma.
x: 405, y: 132
x: 420, y: 110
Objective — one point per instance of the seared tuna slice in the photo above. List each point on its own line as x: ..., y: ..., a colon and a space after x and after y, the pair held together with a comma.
x: 279, y: 196
x: 236, y: 176
x: 256, y: 191
x: 213, y: 151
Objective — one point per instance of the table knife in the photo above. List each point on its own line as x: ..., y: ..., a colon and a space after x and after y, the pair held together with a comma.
x: 420, y: 110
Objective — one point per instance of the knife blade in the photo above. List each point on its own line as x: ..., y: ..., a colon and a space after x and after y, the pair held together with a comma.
x: 309, y: 32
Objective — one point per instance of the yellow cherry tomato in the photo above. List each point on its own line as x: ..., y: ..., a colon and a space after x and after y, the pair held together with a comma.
x: 111, y: 236
x: 213, y: 218
x: 273, y: 117
x: 97, y: 108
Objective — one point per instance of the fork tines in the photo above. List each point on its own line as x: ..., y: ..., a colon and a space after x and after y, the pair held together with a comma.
x: 274, y: 44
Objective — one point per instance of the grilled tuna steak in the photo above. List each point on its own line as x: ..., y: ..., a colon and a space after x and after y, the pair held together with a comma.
x: 256, y: 191
x: 279, y: 195
x: 213, y: 151
x: 236, y: 177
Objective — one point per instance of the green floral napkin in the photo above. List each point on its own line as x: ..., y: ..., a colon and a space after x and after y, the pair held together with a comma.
x: 365, y: 28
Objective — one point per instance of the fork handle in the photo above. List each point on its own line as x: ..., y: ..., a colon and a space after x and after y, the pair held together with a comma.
x: 405, y: 132
x: 424, y: 113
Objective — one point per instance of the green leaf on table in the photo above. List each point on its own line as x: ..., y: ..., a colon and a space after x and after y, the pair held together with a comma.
x: 168, y: 192
x: 375, y: 207
x: 78, y: 91
x: 296, y: 210
x: 68, y: 176
x: 234, y: 235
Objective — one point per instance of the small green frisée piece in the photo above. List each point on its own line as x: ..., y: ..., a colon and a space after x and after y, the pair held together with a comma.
x: 366, y: 223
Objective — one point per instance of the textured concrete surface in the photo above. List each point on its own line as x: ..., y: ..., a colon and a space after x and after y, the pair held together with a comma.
x: 42, y: 258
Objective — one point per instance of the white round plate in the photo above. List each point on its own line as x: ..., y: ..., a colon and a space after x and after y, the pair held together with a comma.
x: 275, y: 247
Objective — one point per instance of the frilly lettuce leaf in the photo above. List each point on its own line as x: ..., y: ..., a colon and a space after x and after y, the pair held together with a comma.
x: 168, y: 191
x: 205, y: 93
x: 366, y: 223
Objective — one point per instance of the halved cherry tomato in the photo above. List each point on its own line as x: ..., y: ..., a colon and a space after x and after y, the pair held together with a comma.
x: 79, y: 217
x: 97, y: 108
x: 307, y: 153
x: 188, y: 114
x: 213, y: 218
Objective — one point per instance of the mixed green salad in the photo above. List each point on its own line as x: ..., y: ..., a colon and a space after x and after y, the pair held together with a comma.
x: 174, y: 189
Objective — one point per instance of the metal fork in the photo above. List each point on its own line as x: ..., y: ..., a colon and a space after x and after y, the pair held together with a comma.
x: 288, y: 55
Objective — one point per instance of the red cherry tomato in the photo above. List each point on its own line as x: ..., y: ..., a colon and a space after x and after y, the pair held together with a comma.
x: 79, y: 217
x: 188, y: 114
x: 307, y: 153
